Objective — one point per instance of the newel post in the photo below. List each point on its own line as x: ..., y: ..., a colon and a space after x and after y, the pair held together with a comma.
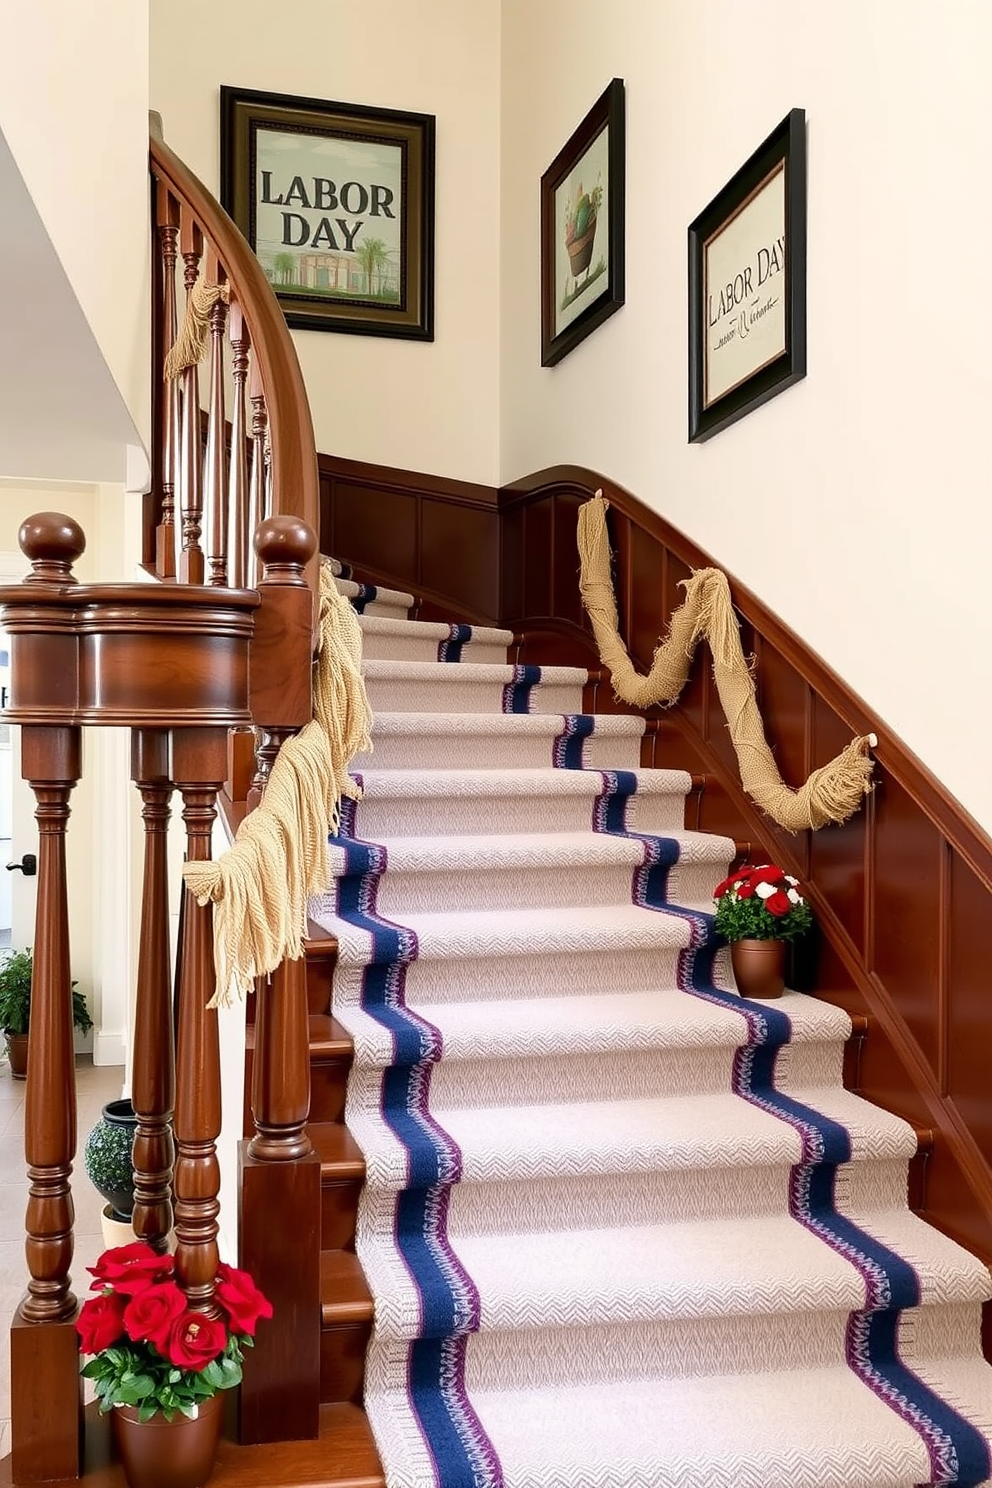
x: 280, y: 1173
x: 46, y: 1395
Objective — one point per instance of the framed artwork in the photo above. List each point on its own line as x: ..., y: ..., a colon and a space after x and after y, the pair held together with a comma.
x: 582, y: 237
x: 337, y: 202
x: 747, y: 285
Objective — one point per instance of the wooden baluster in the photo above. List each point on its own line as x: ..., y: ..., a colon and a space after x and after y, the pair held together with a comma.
x: 198, y: 763
x: 259, y: 436
x: 215, y: 474
x: 238, y: 528
x: 46, y: 1396
x: 280, y: 1193
x: 190, y: 464
x: 167, y: 214
x: 153, y: 1080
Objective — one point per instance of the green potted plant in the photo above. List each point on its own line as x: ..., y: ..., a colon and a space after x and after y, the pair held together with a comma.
x: 107, y: 1158
x: 15, y: 1009
x: 759, y: 910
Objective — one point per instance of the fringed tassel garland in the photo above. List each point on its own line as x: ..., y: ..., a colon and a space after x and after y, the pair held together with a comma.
x: 191, y: 343
x: 261, y: 885
x: 831, y: 794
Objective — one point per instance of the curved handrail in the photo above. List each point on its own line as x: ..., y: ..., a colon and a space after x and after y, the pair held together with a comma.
x: 295, y: 483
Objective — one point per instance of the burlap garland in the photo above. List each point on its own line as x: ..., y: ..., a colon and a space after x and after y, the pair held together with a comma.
x: 831, y: 794
x: 191, y: 342
x: 261, y: 885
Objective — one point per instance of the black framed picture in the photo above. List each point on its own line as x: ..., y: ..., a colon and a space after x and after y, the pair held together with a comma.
x: 337, y: 202
x: 747, y: 285
x: 582, y: 229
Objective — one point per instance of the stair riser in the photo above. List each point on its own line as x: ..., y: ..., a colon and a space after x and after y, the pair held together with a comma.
x: 328, y: 1085
x: 440, y: 751
x: 338, y: 1212
x: 649, y: 1075
x: 377, y: 820
x: 673, y: 1197
x: 425, y: 648
x: 448, y: 693
x: 552, y: 886
x: 342, y: 1362
x: 496, y: 978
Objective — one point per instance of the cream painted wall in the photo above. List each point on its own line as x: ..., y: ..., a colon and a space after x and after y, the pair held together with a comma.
x: 428, y: 406
x: 856, y: 504
x: 74, y: 111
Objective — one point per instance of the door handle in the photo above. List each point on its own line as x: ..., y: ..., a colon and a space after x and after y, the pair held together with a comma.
x: 28, y: 865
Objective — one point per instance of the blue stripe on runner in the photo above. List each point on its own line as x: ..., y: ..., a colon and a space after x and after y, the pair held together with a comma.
x: 566, y: 751
x: 463, y: 1456
x: 516, y: 694
x: 366, y: 594
x: 451, y: 649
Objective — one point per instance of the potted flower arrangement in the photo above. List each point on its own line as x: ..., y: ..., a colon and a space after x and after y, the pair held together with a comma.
x: 581, y: 216
x: 161, y: 1366
x: 758, y: 910
x: 15, y: 1009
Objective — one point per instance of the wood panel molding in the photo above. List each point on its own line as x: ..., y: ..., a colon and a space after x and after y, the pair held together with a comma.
x: 902, y: 892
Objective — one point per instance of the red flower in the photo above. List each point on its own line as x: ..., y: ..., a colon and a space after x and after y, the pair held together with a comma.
x: 745, y: 890
x: 778, y: 903
x: 193, y: 1340
x: 130, y: 1268
x: 769, y: 874
x: 241, y: 1299
x: 100, y: 1322
x: 150, y: 1314
x: 725, y: 886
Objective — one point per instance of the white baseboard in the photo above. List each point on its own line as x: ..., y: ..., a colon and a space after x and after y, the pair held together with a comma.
x: 108, y: 1048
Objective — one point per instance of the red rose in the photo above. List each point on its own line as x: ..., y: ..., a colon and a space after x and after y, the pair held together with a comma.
x: 131, y: 1268
x: 768, y: 874
x: 725, y: 886
x: 100, y: 1322
x: 241, y: 1299
x: 745, y: 890
x: 150, y: 1314
x: 193, y: 1340
x: 778, y: 903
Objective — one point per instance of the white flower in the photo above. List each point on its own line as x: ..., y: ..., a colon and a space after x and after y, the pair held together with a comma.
x: 790, y: 880
x: 764, y: 891
x: 793, y: 897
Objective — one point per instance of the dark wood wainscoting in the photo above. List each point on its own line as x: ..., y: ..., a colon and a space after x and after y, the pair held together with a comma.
x: 903, y: 892
x: 436, y: 538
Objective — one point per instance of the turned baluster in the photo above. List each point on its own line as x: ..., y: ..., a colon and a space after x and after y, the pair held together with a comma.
x: 45, y: 1440
x: 199, y: 759
x: 167, y: 214
x: 257, y: 510
x: 215, y: 475
x: 238, y: 518
x: 191, y: 498
x: 153, y: 1080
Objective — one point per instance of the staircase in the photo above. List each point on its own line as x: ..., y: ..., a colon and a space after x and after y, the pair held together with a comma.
x: 620, y: 1228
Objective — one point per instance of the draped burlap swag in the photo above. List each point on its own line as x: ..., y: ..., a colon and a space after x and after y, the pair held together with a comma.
x: 261, y: 885
x: 831, y: 794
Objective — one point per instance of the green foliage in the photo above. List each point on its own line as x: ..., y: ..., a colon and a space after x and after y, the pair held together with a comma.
x: 107, y: 1156
x: 15, y: 996
x: 136, y: 1374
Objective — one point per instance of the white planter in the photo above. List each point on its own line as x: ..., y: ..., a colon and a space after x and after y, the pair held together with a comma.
x: 115, y: 1231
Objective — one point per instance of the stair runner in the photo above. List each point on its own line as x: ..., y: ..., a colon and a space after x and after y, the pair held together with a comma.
x: 623, y: 1228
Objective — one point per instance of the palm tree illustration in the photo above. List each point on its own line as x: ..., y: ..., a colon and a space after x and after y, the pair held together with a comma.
x: 373, y: 255
x: 285, y: 263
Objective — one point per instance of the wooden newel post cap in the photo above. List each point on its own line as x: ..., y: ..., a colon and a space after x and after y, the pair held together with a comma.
x: 51, y: 542
x: 285, y: 546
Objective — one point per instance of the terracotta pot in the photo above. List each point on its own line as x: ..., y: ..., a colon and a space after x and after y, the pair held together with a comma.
x: 580, y: 250
x: 17, y: 1053
x: 759, y: 967
x: 169, y: 1454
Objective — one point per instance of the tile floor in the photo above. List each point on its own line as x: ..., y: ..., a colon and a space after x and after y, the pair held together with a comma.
x: 94, y: 1087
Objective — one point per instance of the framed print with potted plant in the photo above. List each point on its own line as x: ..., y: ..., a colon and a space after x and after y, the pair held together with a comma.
x: 582, y: 230
x: 747, y: 285
x: 337, y: 202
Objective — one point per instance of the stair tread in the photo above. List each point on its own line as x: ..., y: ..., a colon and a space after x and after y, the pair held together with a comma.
x: 452, y: 674
x: 343, y: 1456
x: 513, y: 850
x: 328, y: 1037
x: 339, y: 1153
x: 680, y: 1272
x: 605, y: 1138
x: 527, y: 781
x: 518, y: 1028
x: 541, y: 725
x: 438, y: 630
x: 344, y: 1292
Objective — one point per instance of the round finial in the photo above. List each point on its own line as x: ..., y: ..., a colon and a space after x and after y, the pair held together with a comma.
x: 285, y: 545
x: 52, y: 542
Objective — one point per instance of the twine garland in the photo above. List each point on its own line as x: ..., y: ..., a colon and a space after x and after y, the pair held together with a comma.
x: 261, y: 885
x: 831, y: 794
x: 190, y: 345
